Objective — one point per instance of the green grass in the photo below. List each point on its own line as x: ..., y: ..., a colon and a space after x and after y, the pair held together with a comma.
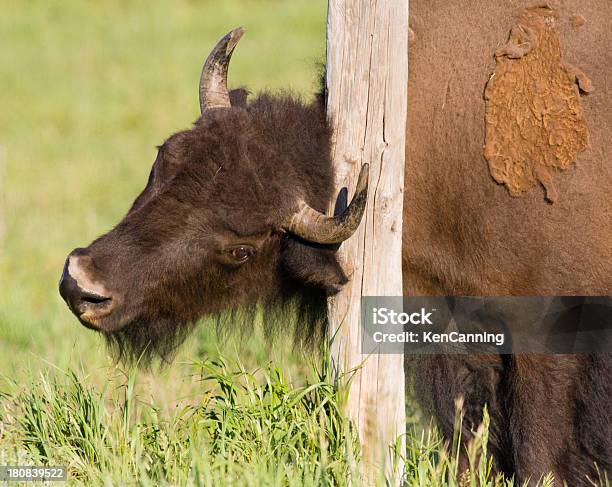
x: 87, y: 89
x: 243, y: 428
x: 241, y: 424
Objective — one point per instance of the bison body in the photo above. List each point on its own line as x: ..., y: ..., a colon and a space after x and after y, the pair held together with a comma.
x: 466, y: 235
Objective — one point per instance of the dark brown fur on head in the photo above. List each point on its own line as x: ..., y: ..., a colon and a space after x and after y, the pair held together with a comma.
x: 227, y: 183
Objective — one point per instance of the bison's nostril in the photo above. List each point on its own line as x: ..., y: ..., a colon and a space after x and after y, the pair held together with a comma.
x: 93, y: 298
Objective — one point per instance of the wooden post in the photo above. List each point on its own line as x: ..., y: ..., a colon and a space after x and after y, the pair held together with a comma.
x: 367, y: 77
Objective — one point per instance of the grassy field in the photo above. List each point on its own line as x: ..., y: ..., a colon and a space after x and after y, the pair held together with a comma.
x: 87, y: 89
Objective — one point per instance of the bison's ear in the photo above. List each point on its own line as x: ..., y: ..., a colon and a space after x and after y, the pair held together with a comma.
x: 238, y: 97
x: 313, y: 264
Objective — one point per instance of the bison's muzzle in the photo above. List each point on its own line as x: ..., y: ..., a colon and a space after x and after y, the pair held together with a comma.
x: 86, y: 298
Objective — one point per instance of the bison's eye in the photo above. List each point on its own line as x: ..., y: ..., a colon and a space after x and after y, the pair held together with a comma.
x: 241, y: 253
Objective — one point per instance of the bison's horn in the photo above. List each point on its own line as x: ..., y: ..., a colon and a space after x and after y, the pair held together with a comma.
x: 314, y: 226
x: 213, y: 80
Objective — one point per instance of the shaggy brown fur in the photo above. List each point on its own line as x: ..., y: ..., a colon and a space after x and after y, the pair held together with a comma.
x: 466, y: 235
x: 235, y: 176
x: 229, y: 181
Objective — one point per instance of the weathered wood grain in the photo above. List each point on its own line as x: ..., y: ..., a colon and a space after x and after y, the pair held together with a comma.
x: 367, y: 75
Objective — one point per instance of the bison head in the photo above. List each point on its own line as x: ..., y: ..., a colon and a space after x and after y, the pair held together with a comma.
x: 231, y: 217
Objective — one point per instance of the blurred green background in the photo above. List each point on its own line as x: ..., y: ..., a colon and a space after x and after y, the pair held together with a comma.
x: 87, y: 90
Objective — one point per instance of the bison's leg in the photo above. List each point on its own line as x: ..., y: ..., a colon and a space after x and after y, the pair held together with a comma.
x: 439, y: 380
x: 594, y: 418
x: 549, y: 413
x: 559, y: 416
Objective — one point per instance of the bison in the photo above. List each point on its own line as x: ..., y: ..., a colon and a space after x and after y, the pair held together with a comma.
x: 233, y: 218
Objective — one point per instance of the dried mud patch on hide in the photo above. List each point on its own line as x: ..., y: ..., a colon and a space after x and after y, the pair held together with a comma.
x: 534, y: 124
